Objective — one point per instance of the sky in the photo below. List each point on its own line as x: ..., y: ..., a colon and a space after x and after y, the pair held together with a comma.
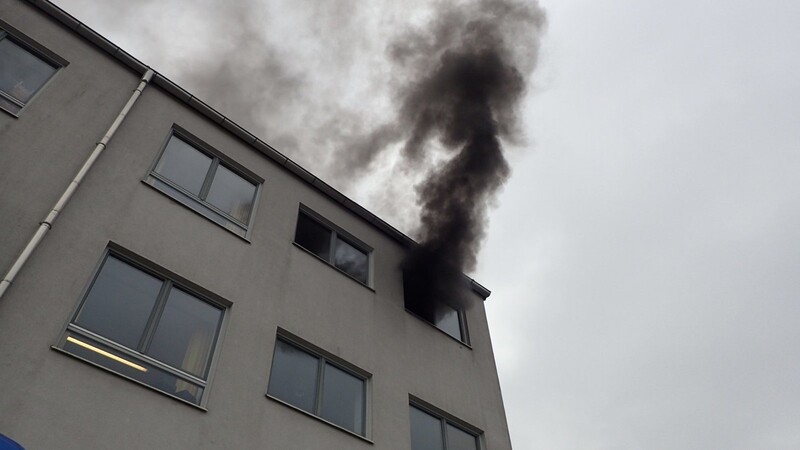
x: 644, y: 256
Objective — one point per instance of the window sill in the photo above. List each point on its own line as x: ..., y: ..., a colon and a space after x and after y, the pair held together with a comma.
x: 417, y: 316
x: 106, y: 369
x: 196, y: 208
x: 306, y: 413
x: 327, y: 263
x: 12, y: 114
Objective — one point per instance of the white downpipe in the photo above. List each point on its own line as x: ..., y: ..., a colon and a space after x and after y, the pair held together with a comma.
x: 47, y: 223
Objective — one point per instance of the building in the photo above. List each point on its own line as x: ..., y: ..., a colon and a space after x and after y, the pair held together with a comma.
x: 201, y: 290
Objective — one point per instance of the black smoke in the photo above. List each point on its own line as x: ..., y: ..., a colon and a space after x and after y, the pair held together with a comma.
x: 457, y: 82
x: 469, y: 72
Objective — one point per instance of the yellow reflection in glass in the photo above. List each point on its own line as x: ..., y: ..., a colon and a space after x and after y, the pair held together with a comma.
x: 105, y: 353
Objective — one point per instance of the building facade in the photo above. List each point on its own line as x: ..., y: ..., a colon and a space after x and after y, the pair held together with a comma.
x: 199, y: 289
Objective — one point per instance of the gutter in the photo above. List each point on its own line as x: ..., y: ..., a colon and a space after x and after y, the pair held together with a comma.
x: 47, y: 223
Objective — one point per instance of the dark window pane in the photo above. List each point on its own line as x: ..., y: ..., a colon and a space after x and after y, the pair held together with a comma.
x: 351, y: 260
x: 343, y: 399
x: 458, y: 439
x: 119, y: 303
x: 184, y: 165
x: 132, y: 367
x: 447, y: 320
x: 232, y: 194
x: 294, y: 376
x: 185, y: 333
x: 426, y: 431
x: 21, y: 73
x: 313, y: 237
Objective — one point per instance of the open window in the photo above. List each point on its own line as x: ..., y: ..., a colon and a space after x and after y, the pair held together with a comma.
x: 334, y: 246
x: 440, y: 314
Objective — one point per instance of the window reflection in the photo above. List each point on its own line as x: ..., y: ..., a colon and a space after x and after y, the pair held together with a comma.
x: 232, y: 194
x: 205, y: 184
x: 184, y: 165
x: 448, y: 320
x: 133, y: 368
x: 318, y: 239
x: 146, y: 328
x: 351, y: 260
x: 428, y: 432
x: 458, y: 439
x: 343, y: 399
x: 294, y: 376
x: 120, y: 302
x: 185, y: 333
x: 21, y: 74
x: 297, y: 375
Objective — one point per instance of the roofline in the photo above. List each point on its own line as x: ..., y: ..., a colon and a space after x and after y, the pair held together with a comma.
x: 215, y: 116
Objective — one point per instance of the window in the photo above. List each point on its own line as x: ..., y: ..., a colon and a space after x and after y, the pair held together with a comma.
x: 189, y: 172
x: 431, y: 431
x: 311, y: 382
x: 439, y: 314
x: 23, y: 72
x: 146, y: 327
x: 333, y: 246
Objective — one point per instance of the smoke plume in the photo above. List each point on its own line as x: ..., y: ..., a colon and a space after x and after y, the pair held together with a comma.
x: 468, y: 73
x: 310, y: 80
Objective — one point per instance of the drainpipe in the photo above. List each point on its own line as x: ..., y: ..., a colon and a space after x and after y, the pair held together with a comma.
x: 47, y: 223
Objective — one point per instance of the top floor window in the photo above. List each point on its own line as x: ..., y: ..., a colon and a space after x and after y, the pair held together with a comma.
x: 448, y: 319
x: 23, y: 72
x: 191, y: 173
x: 333, y: 246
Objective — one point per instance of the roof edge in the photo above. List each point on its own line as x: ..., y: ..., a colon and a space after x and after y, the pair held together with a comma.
x: 206, y: 110
x: 479, y: 289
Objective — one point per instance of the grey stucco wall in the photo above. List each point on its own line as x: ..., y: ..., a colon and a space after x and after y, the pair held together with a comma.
x: 50, y: 400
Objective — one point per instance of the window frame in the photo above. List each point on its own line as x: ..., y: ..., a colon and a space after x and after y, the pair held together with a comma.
x: 37, y: 50
x: 445, y: 419
x: 336, y: 234
x: 169, y: 280
x: 462, y: 322
x: 323, y: 358
x: 198, y: 203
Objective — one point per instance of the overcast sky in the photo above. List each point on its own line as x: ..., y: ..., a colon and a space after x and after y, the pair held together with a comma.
x: 644, y: 257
